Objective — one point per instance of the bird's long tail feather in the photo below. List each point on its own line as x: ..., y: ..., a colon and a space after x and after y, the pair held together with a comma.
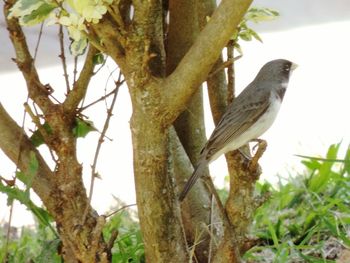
x: 199, y: 170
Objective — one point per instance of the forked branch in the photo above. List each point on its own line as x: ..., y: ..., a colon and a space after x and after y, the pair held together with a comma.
x: 181, y: 85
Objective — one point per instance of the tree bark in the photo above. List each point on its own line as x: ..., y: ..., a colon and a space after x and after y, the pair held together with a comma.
x: 158, y: 208
x: 65, y: 202
x: 137, y: 47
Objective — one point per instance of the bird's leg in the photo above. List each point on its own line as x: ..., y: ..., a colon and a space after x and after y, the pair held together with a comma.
x: 246, y: 156
x: 261, y: 147
x: 259, y: 142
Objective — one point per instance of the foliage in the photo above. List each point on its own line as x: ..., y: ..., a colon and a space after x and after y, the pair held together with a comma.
x: 39, y: 245
x: 32, y: 12
x: 255, y: 15
x: 32, y: 245
x: 307, y: 216
x: 37, y: 138
x: 73, y: 14
x: 23, y: 196
x: 81, y: 129
x: 128, y: 246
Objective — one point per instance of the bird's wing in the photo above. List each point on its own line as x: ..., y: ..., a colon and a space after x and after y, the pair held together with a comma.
x: 235, y: 122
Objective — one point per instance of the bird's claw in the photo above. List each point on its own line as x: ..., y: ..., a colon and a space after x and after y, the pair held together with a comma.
x: 261, y: 147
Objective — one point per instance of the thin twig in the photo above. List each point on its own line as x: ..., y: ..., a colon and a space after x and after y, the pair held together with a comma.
x: 118, y: 83
x: 120, y: 209
x: 224, y: 65
x: 213, y: 191
x: 106, y: 95
x: 100, y: 99
x: 14, y: 182
x: 230, y: 73
x: 211, y: 230
x: 38, y: 41
x: 63, y: 57
x: 75, y: 71
x: 35, y: 119
x: 8, y: 232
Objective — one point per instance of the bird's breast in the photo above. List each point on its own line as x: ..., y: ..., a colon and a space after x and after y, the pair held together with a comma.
x: 266, y: 119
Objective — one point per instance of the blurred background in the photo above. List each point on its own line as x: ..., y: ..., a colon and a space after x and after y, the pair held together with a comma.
x: 313, y: 34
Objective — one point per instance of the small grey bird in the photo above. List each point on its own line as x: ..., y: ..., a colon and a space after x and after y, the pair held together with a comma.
x: 247, y: 117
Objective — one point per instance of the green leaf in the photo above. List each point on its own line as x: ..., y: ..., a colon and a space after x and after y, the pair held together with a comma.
x: 31, y: 12
x: 24, y: 198
x: 78, y: 47
x: 238, y: 48
x: 255, y: 35
x: 256, y: 14
x: 98, y: 59
x: 312, y: 164
x: 272, y: 233
x: 48, y: 251
x: 347, y: 161
x: 245, y: 35
x: 38, y: 15
x: 324, y: 174
x: 82, y: 127
x: 24, y: 7
x: 37, y: 138
x: 27, y: 179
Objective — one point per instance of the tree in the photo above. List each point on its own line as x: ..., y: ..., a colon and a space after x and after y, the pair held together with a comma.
x: 165, y: 51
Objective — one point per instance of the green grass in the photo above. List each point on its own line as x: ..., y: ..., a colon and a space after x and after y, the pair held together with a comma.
x: 128, y: 246
x: 306, y: 219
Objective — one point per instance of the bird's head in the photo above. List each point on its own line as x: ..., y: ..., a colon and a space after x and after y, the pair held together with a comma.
x: 277, y: 70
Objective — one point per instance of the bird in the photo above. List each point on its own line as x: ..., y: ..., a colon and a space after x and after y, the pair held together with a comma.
x: 250, y: 115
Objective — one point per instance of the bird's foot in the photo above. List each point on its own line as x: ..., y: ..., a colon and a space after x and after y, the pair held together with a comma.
x: 261, y: 147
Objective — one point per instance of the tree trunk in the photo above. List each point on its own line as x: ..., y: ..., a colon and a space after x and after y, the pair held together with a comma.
x: 158, y: 208
x: 137, y: 45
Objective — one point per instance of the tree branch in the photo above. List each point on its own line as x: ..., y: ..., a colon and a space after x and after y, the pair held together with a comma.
x: 106, y: 37
x: 196, y: 64
x: 37, y: 91
x: 217, y: 91
x: 181, y: 34
x: 80, y: 86
x: 62, y: 56
x: 15, y: 143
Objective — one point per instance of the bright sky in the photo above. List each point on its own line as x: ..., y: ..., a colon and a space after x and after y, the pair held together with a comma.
x: 315, y: 111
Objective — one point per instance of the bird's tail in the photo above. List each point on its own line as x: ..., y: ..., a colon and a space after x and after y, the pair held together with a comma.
x: 198, y: 171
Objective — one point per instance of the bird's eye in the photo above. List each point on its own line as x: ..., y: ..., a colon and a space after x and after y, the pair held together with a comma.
x: 286, y: 68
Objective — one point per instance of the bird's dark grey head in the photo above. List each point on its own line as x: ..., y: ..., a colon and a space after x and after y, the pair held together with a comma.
x: 276, y: 70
